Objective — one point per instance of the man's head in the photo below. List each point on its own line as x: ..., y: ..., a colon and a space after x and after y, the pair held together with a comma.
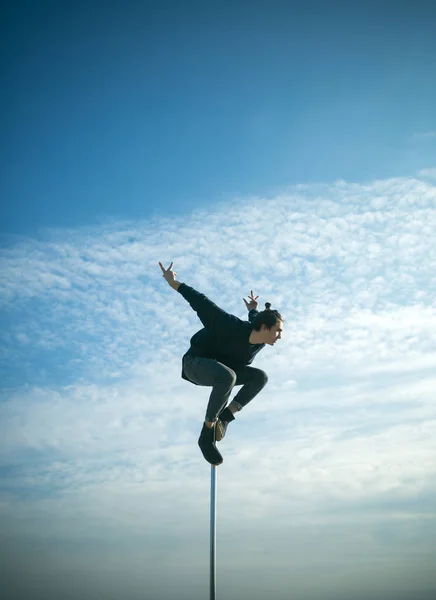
x: 268, y: 325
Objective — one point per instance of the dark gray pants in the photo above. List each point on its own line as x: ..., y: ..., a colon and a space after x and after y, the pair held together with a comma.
x: 209, y: 372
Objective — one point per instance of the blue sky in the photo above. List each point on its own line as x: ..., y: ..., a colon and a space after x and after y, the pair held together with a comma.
x: 166, y: 106
x: 277, y: 147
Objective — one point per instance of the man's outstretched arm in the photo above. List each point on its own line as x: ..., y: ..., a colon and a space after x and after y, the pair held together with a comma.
x: 212, y: 316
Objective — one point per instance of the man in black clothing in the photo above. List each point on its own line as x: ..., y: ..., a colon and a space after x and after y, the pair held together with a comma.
x: 220, y: 355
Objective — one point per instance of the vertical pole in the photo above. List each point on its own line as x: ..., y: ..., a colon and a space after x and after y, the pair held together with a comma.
x: 212, y: 532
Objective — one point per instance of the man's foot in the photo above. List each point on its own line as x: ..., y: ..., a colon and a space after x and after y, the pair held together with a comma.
x: 224, y: 418
x: 206, y: 442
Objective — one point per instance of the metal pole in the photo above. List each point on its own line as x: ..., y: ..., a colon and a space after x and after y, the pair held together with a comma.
x: 212, y: 532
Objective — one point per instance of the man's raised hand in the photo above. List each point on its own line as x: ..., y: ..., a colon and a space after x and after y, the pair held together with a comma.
x: 169, y: 275
x: 253, y: 304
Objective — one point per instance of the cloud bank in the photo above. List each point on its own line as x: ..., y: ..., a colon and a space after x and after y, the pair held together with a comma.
x: 330, y: 471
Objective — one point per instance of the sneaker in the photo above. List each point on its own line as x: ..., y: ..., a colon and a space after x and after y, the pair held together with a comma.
x: 224, y: 418
x: 206, y: 442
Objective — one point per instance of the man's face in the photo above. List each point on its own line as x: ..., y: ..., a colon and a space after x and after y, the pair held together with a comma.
x: 273, y: 334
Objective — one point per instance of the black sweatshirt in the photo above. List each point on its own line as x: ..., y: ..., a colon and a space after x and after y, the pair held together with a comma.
x: 224, y: 336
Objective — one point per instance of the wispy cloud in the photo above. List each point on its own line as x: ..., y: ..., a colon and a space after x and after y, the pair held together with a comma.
x: 431, y: 173
x: 98, y: 431
x: 425, y: 135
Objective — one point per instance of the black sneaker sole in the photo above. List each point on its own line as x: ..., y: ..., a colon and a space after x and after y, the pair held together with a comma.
x: 209, y: 450
x: 212, y: 455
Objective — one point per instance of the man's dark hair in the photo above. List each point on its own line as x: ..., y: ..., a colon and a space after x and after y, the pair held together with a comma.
x: 267, y: 317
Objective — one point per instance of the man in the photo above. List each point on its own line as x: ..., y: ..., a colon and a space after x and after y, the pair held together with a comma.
x: 220, y: 355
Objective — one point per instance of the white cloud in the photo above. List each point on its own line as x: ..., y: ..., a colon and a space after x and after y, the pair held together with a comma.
x: 425, y: 135
x: 431, y: 173
x: 98, y: 431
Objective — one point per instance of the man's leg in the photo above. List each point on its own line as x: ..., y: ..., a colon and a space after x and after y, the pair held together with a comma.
x: 209, y: 372
x: 253, y: 381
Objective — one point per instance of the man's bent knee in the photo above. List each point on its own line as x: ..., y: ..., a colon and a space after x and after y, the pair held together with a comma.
x: 262, y: 377
x: 227, y: 376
